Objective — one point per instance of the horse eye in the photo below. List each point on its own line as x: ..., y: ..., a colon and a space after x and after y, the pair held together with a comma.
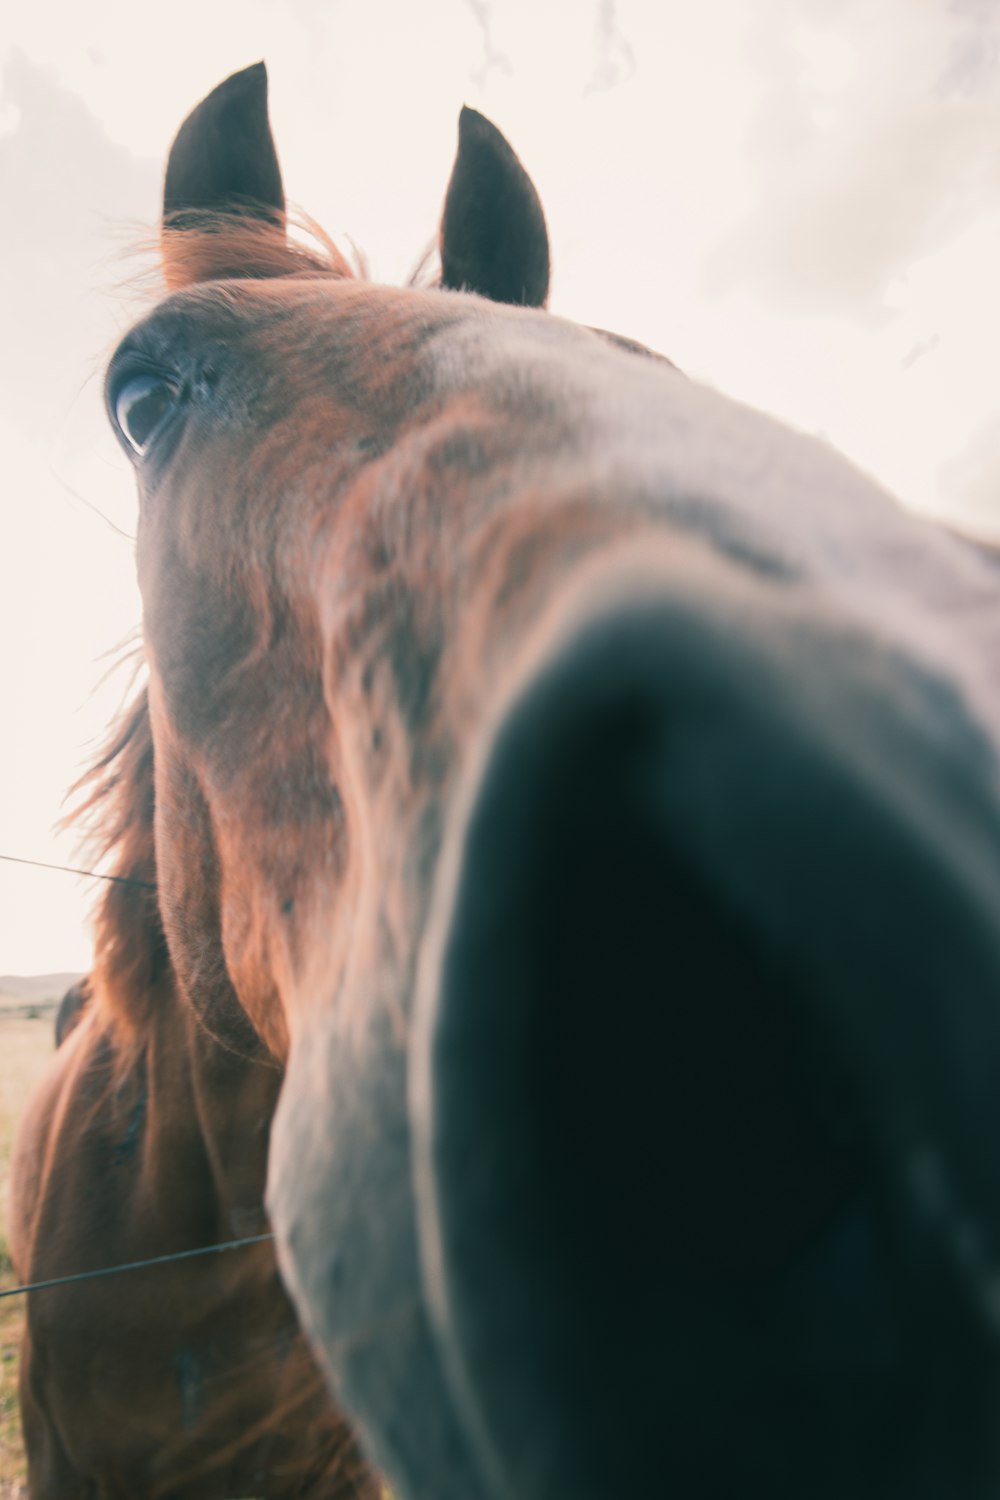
x: 143, y: 404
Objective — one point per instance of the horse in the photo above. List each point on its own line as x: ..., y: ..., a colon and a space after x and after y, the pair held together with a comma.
x: 573, y: 797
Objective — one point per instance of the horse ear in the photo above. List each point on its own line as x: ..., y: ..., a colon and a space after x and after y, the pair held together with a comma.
x: 493, y: 238
x: 223, y: 159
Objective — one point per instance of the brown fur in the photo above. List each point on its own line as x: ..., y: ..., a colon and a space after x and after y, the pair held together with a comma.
x: 146, y: 1137
x: 198, y: 1369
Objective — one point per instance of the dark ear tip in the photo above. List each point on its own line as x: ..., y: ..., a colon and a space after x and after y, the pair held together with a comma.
x: 244, y: 84
x: 472, y: 124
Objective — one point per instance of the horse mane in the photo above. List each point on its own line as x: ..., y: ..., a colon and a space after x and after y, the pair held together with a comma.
x: 216, y: 246
x: 235, y: 246
x: 116, y: 810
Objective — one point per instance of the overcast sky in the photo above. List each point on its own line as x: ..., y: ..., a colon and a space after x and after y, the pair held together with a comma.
x: 797, y: 200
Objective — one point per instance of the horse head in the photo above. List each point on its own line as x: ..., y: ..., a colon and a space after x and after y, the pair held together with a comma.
x: 586, y: 789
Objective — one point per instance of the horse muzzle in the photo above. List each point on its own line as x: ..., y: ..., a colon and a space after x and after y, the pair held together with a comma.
x: 682, y: 1176
x: 704, y: 1086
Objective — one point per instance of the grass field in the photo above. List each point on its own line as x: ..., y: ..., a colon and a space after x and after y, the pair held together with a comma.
x: 25, y: 1047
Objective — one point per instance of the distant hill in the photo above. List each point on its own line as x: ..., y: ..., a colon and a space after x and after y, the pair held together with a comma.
x: 35, y: 986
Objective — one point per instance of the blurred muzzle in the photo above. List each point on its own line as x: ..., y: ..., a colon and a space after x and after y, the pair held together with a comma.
x: 706, y: 1087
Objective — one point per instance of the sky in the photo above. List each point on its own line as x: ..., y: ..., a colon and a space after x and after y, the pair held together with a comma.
x: 797, y: 200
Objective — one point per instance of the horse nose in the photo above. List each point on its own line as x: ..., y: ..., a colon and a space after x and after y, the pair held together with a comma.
x: 705, y: 1084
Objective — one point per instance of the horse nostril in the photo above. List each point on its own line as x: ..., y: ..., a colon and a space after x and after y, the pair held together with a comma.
x: 674, y: 1061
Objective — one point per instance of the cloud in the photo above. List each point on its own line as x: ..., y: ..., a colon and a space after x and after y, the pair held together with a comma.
x: 974, y: 54
x: 69, y: 595
x: 875, y: 141
x: 70, y: 192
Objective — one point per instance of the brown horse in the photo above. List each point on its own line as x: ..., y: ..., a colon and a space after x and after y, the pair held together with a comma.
x: 587, y: 792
